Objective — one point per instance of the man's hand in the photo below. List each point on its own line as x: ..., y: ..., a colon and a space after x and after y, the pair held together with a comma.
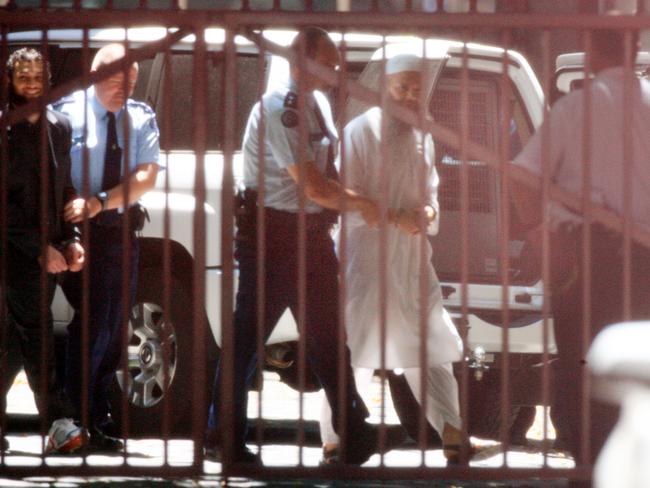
x: 369, y: 211
x: 75, y: 256
x: 408, y: 221
x: 74, y: 209
x: 53, y: 261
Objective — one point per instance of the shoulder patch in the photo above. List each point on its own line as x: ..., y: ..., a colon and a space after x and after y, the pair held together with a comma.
x: 142, y: 105
x: 289, y: 119
x: 291, y: 100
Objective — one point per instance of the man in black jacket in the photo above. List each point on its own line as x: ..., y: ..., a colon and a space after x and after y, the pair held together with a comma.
x: 39, y: 245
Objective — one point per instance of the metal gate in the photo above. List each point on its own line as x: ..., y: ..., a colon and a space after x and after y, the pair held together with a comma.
x: 203, y: 69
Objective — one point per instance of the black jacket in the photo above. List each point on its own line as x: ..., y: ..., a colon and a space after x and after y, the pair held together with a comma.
x: 23, y: 186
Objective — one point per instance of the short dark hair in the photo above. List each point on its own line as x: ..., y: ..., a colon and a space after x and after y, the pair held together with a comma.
x: 610, y: 44
x: 311, y: 36
x: 25, y: 54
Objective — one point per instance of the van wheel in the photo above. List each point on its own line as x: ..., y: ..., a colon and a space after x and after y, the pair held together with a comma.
x: 159, y: 354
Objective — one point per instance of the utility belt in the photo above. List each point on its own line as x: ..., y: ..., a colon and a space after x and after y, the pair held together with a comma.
x: 137, y: 214
x: 246, y: 215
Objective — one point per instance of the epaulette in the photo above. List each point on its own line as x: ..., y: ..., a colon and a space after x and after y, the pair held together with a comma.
x: 291, y: 100
x: 137, y: 103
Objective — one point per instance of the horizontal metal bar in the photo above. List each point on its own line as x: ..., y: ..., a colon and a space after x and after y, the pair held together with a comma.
x: 106, y: 470
x: 388, y: 22
x: 581, y: 472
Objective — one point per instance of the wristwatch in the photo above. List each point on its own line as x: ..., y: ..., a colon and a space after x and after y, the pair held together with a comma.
x: 102, y: 196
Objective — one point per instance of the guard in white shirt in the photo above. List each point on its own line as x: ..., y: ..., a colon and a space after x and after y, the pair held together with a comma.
x: 607, y: 168
x: 289, y: 164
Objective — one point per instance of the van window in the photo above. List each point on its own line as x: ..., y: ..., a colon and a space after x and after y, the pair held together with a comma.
x: 183, y: 99
x: 484, y: 185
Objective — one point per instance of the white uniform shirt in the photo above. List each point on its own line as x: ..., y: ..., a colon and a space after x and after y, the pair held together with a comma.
x: 412, y: 181
x: 607, y: 142
x: 282, y: 145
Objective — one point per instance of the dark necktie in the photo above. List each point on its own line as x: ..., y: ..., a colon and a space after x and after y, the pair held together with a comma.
x: 112, y: 157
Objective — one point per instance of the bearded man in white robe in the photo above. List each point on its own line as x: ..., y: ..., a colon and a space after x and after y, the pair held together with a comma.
x: 399, y: 171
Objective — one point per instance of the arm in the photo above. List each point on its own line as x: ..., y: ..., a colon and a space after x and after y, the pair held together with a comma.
x: 140, y: 182
x: 528, y: 203
x: 331, y: 194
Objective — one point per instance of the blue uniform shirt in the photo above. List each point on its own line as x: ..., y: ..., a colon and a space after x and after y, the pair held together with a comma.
x: 143, y: 136
x: 282, y: 141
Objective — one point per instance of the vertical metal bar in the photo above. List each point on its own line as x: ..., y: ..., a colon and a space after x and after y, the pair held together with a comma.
x: 126, y: 243
x: 464, y: 234
x: 166, y: 244
x: 342, y: 380
x: 383, y: 240
x: 198, y: 286
x: 302, y: 246
x: 227, y: 334
x: 85, y: 278
x: 44, y: 183
x: 4, y: 170
x: 424, y: 278
x: 504, y: 234
x: 261, y: 243
x: 546, y: 249
x: 585, y: 441
x: 628, y: 155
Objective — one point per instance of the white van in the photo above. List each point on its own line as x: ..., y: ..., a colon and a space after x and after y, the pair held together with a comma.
x: 175, y: 191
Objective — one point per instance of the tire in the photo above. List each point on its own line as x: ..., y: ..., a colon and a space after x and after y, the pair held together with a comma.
x: 145, y: 378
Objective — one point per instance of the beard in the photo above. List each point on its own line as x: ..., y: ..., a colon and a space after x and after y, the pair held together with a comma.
x: 396, y: 128
x: 15, y: 100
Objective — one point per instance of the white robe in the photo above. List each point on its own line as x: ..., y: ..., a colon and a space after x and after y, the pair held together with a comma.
x: 410, y: 180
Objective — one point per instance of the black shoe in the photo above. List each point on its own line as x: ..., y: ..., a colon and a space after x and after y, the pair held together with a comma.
x: 361, y: 446
x: 108, y: 426
x: 100, y: 442
x: 241, y: 456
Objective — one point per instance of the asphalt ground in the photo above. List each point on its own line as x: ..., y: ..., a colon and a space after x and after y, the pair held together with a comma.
x: 280, y: 407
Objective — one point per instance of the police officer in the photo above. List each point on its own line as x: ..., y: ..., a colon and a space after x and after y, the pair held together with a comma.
x: 607, y: 147
x: 287, y: 166
x: 108, y: 109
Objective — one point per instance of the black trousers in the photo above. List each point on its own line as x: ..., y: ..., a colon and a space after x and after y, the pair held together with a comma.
x: 105, y: 295
x: 606, y: 290
x: 281, y: 292
x: 26, y: 343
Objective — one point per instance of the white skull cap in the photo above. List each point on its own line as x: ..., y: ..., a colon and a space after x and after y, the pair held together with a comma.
x: 403, y: 62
